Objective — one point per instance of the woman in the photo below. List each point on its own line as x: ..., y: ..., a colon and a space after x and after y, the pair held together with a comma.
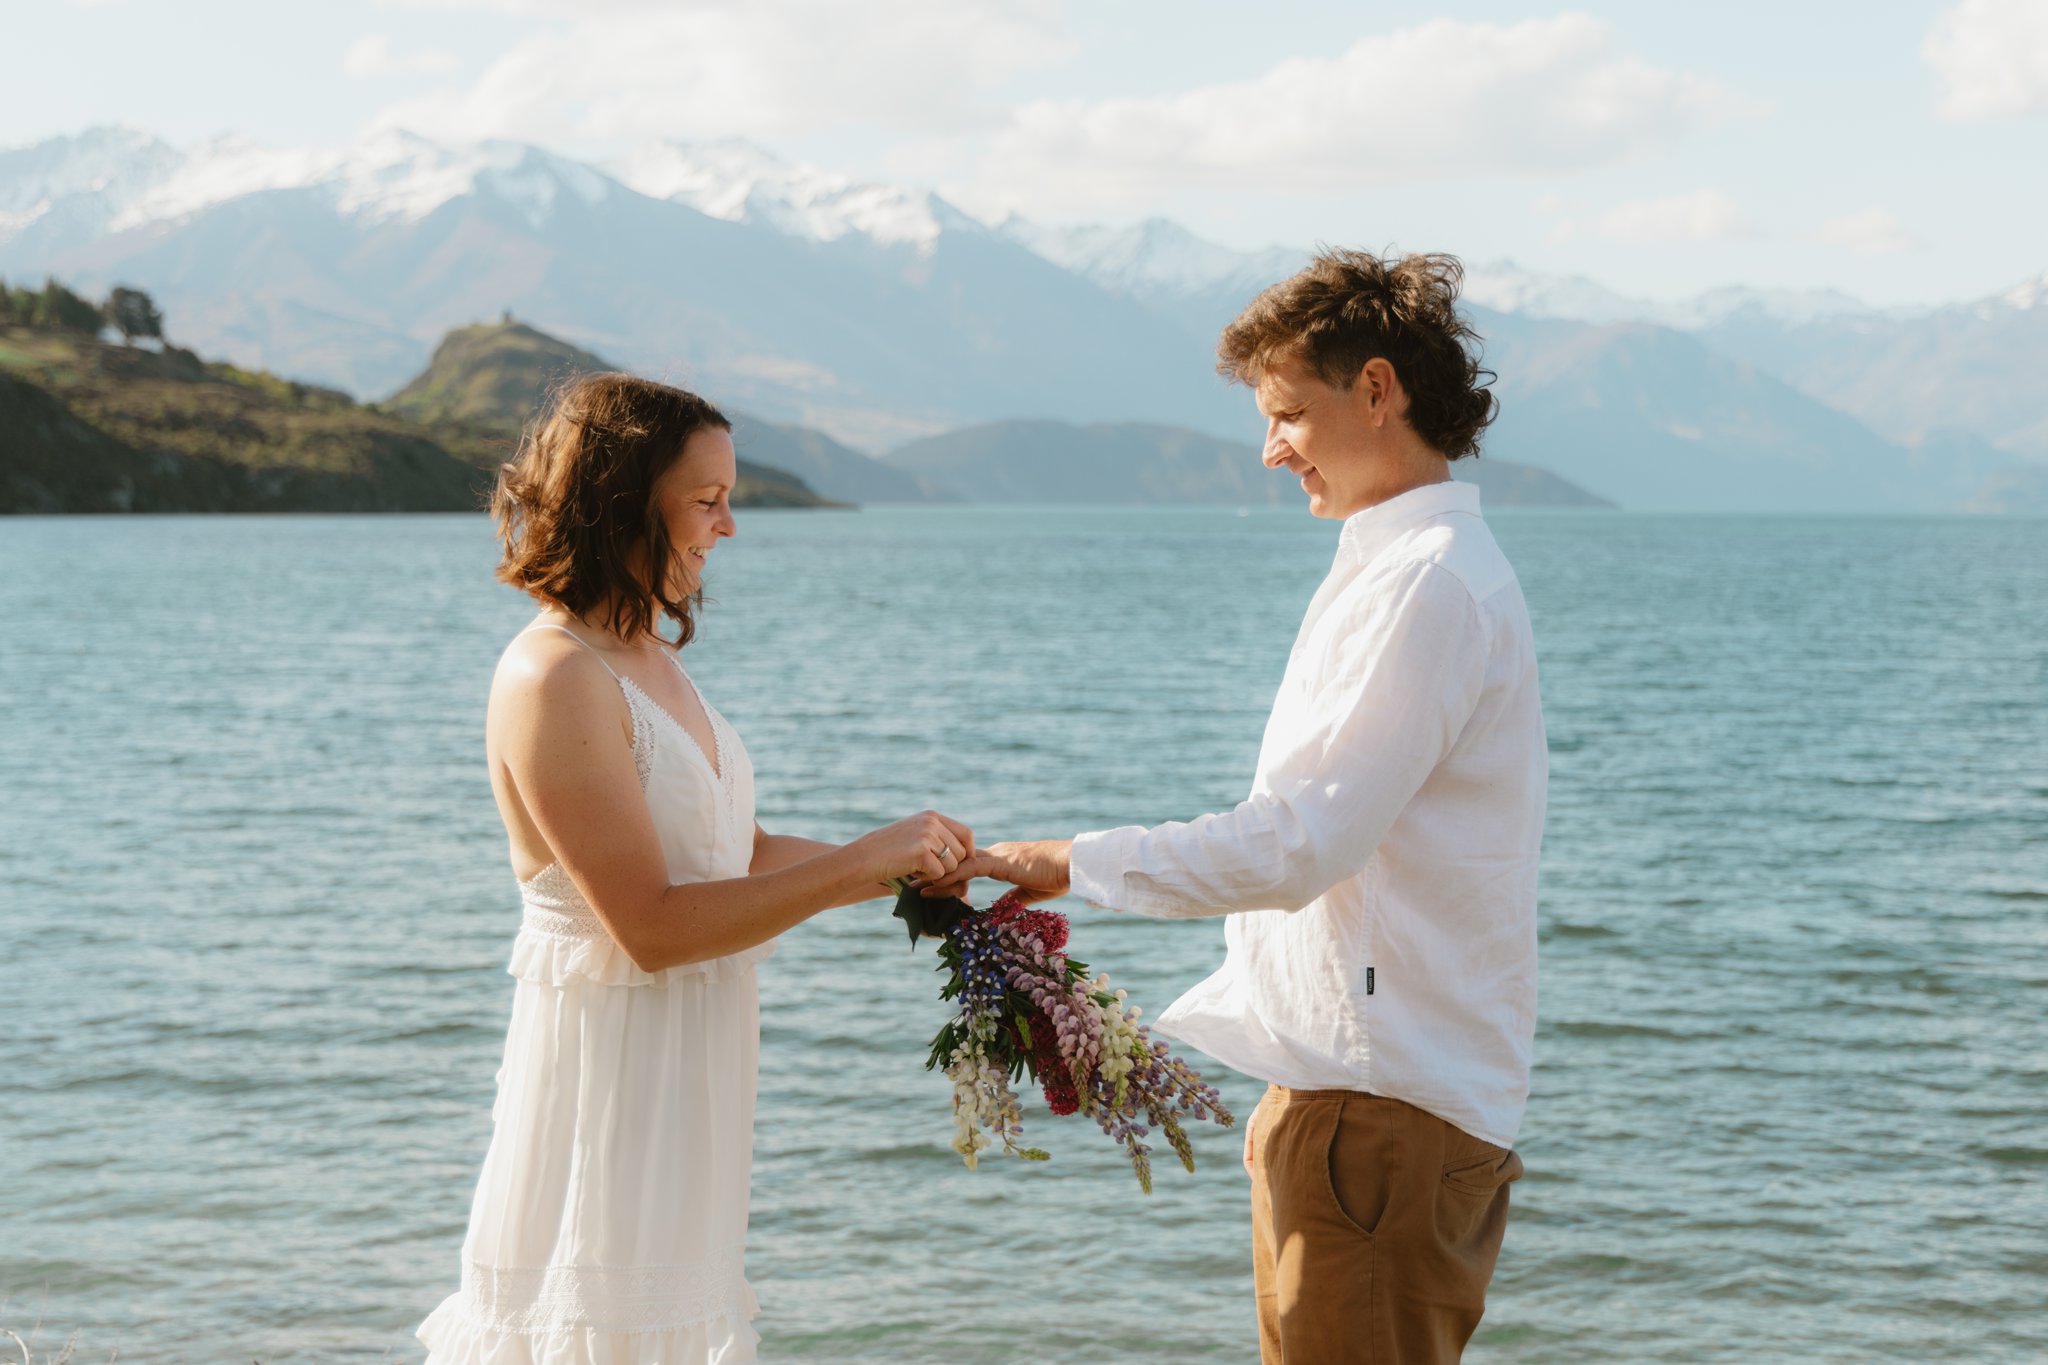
x: 610, y: 1218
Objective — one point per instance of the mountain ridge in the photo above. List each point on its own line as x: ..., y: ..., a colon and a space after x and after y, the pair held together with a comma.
x: 875, y: 315
x: 1060, y: 463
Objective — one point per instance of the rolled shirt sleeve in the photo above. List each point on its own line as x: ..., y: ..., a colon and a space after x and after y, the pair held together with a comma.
x: 1370, y: 706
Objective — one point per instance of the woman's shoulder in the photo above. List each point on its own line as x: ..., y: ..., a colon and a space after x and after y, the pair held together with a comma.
x: 551, y: 670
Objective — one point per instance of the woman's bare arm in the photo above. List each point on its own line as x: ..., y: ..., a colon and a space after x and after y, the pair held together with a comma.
x: 773, y: 852
x: 556, y: 726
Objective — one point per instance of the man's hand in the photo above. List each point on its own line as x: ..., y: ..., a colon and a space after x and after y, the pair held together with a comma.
x: 1038, y: 869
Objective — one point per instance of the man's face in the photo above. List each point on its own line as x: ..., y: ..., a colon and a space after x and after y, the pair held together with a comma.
x: 1320, y: 434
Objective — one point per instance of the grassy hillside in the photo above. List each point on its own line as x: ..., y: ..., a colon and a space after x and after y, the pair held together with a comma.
x: 489, y: 379
x: 89, y: 426
x: 490, y: 375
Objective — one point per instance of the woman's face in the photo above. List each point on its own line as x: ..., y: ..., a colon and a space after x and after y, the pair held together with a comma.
x: 693, y: 497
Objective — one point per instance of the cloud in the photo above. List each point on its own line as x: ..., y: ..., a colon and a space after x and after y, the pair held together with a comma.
x: 1992, y: 57
x: 1702, y: 216
x: 1872, y: 232
x: 622, y: 71
x: 371, y: 58
x: 1441, y: 100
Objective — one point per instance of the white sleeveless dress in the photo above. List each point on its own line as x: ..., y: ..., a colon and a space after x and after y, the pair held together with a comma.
x: 610, y: 1220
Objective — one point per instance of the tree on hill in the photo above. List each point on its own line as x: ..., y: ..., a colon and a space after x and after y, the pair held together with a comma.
x: 18, y: 305
x: 58, y: 309
x: 133, y: 314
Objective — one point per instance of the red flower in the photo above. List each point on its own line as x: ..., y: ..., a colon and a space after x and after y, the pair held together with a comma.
x: 1049, y: 927
x: 1055, y: 1078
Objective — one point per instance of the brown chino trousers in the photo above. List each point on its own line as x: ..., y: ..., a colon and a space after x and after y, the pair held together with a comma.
x: 1375, y: 1226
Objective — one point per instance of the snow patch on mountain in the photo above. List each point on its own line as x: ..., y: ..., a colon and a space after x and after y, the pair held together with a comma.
x: 737, y: 181
x: 80, y: 187
x: 112, y: 179
x: 1506, y: 287
x: 2027, y: 295
x: 1788, y: 307
x: 1154, y: 257
x: 92, y: 173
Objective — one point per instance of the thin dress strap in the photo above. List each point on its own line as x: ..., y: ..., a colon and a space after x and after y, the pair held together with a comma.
x: 550, y: 625
x: 643, y: 722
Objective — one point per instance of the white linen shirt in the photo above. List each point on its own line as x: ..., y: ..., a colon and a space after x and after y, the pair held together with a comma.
x: 1380, y: 880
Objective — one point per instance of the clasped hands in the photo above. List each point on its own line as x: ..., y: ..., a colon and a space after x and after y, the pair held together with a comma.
x: 1037, y: 868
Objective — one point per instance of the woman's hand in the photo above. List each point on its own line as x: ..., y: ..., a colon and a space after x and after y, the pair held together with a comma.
x: 927, y: 846
x: 1037, y: 868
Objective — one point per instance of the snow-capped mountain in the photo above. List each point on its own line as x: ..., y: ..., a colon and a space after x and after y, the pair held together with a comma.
x: 735, y: 180
x: 2025, y: 296
x: 85, y: 180
x: 1786, y: 307
x: 113, y: 180
x: 1157, y: 256
x: 1161, y: 265
x: 1918, y: 375
x: 796, y: 298
x: 880, y: 313
x: 1506, y: 287
x: 110, y: 164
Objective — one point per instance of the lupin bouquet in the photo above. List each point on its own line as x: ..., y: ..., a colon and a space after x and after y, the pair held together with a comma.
x: 1027, y: 1008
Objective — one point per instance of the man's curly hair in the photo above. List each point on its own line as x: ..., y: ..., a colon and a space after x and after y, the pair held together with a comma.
x: 1348, y: 307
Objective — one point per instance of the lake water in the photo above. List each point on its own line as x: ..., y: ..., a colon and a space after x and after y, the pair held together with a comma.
x: 1791, y: 1099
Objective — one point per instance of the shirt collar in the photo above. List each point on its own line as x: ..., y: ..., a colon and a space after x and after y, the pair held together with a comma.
x: 1367, y: 533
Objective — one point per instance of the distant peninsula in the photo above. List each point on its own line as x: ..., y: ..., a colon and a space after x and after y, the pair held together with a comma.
x: 91, y: 425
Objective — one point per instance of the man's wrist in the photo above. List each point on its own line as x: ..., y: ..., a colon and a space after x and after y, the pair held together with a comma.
x: 1061, y: 854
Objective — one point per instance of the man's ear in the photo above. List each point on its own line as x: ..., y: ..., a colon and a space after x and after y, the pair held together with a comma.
x: 1381, y: 388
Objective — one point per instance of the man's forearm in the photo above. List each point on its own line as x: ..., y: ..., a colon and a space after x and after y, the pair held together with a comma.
x: 1263, y: 855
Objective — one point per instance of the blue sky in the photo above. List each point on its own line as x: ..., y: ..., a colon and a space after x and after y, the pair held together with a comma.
x: 1891, y: 150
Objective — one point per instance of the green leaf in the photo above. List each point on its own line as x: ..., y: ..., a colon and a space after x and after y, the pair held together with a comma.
x: 922, y: 916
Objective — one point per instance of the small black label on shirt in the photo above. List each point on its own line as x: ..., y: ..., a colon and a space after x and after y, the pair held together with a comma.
x: 1368, y: 981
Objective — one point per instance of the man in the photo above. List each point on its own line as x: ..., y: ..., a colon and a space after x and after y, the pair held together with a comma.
x: 1380, y: 880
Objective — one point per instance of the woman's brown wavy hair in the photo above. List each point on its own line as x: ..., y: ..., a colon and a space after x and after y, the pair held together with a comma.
x: 1349, y: 307
x: 575, y: 506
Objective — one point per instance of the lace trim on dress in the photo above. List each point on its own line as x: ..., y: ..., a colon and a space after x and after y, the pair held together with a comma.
x: 719, y: 726
x: 643, y: 737
x: 561, y: 919
x: 639, y: 700
x: 648, y: 1298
